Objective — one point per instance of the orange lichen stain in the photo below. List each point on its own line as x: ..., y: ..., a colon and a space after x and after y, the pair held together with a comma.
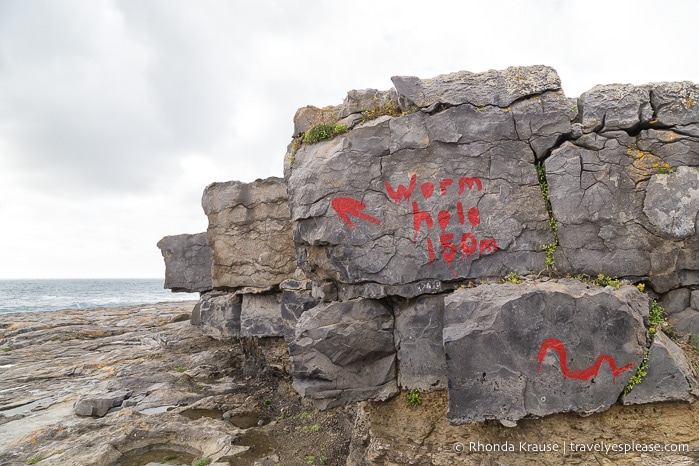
x: 632, y: 151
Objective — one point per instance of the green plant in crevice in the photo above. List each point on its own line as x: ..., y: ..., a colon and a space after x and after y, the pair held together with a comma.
x: 641, y: 372
x: 693, y: 341
x: 656, y: 318
x: 550, y: 249
x: 295, y: 146
x: 512, y: 277
x: 323, y: 132
x: 202, y: 462
x: 413, y: 398
x: 603, y: 280
x: 669, y: 331
x: 315, y: 428
x: 390, y: 108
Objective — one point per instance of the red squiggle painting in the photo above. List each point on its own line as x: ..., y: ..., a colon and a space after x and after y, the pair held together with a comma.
x: 583, y: 374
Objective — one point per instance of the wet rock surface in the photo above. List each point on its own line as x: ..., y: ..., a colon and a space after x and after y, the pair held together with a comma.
x: 166, y: 391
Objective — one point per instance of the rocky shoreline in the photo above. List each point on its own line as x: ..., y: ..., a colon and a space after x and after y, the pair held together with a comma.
x: 173, y: 395
x: 187, y: 397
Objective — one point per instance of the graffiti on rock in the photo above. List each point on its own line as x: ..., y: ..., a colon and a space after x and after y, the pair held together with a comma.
x: 449, y: 242
x: 583, y: 374
x: 346, y: 207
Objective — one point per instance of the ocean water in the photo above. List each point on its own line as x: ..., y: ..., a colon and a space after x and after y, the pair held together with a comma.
x: 50, y: 295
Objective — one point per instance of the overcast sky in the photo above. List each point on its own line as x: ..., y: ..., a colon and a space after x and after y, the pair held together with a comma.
x: 114, y: 115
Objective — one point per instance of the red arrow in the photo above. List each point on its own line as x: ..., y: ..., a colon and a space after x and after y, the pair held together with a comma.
x: 346, y: 206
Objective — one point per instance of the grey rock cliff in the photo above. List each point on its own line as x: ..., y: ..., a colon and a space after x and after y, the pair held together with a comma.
x: 187, y: 262
x: 443, y: 196
x: 367, y: 255
x: 625, y: 192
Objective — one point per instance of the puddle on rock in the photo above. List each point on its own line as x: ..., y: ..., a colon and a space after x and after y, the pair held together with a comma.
x: 159, y: 456
x: 259, y: 444
x: 244, y: 421
x: 34, y: 406
x: 195, y: 413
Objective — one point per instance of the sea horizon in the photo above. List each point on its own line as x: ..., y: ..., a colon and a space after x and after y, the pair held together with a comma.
x: 52, y: 294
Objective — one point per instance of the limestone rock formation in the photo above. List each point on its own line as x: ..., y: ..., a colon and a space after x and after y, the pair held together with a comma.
x: 669, y: 378
x: 499, y: 88
x: 514, y: 351
x: 686, y: 322
x: 218, y: 314
x: 366, y: 256
x: 625, y: 192
x: 297, y: 298
x: 249, y: 234
x: 433, y: 195
x: 98, y: 404
x: 187, y: 262
x: 419, y: 348
x: 261, y: 315
x: 344, y: 352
